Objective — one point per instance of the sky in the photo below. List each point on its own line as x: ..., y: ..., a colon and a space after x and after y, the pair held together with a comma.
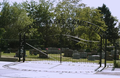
x: 113, y: 5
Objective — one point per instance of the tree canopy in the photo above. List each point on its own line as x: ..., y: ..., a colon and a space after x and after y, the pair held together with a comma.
x: 110, y: 21
x: 33, y: 18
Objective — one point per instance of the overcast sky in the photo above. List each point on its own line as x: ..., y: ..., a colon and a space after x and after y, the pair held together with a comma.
x: 113, y: 5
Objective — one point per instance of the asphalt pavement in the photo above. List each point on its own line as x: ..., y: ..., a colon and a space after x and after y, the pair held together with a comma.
x: 51, y: 69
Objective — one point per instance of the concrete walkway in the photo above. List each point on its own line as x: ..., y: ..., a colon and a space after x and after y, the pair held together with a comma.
x: 51, y: 69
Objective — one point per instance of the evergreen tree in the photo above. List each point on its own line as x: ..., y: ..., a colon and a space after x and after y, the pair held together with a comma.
x: 110, y: 21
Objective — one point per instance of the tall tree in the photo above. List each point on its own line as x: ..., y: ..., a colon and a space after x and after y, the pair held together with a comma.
x: 110, y: 21
x: 92, y: 15
x: 73, y: 9
x: 41, y: 13
x: 2, y: 30
x: 13, y: 19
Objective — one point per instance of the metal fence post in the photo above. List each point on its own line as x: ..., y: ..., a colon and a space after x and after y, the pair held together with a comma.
x: 105, y: 51
x: 24, y: 48
x: 100, y: 51
x: 0, y: 47
x: 19, y: 46
x: 60, y: 56
x: 60, y: 48
x: 115, y: 55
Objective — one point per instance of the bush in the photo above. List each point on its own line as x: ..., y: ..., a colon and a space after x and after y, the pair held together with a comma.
x: 117, y: 64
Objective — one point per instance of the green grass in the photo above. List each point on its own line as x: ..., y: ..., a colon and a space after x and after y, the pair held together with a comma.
x: 52, y: 57
x: 117, y: 64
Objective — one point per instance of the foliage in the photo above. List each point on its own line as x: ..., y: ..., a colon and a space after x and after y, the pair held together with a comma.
x: 110, y: 21
x: 117, y: 65
x: 2, y: 31
x: 92, y: 15
x: 14, y: 20
x: 33, y: 18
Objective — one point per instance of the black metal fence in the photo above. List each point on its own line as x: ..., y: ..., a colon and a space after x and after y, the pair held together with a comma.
x: 8, y: 49
x: 61, y: 54
x: 30, y: 50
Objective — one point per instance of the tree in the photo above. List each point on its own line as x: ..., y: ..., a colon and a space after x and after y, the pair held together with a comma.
x: 110, y: 21
x: 2, y: 30
x: 69, y: 10
x: 14, y: 20
x: 91, y: 15
x: 65, y: 11
x: 41, y: 13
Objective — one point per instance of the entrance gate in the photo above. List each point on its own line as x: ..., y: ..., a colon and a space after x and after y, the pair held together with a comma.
x: 60, y: 55
x: 67, y: 54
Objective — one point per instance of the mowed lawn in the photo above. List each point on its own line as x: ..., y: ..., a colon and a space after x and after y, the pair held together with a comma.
x: 51, y: 57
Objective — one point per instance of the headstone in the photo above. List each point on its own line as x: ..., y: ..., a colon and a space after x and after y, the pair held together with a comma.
x: 113, y: 52
x: 76, y: 55
x: 91, y: 58
x: 83, y: 54
x: 42, y: 55
x: 63, y: 49
x: 109, y: 57
x: 17, y: 54
x: 117, y: 56
x: 68, y: 53
x: 103, y: 55
x: 33, y: 51
x: 52, y: 50
x: 96, y: 57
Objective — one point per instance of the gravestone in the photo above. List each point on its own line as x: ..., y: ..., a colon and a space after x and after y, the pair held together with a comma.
x: 113, y: 52
x: 117, y: 56
x: 68, y: 53
x: 109, y: 57
x: 63, y: 49
x: 76, y: 55
x: 33, y: 51
x: 83, y: 54
x: 52, y: 50
x: 42, y: 55
x: 91, y: 58
x: 96, y: 57
x: 103, y: 55
x: 17, y: 53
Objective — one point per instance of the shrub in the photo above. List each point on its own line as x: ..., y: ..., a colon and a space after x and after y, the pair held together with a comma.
x: 117, y: 65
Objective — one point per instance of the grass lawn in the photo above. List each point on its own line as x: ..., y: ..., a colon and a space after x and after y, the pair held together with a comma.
x: 52, y: 57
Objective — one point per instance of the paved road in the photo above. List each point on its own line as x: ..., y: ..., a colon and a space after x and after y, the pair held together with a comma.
x: 44, y: 69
